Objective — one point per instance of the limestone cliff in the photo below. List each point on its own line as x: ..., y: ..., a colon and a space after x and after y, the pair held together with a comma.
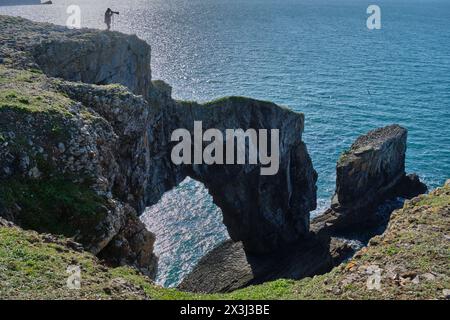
x: 85, y: 147
x: 96, y: 58
x: 373, y: 165
x: 74, y: 157
x: 85, y: 141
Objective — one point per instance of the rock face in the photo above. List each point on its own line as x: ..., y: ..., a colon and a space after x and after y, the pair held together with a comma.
x: 131, y: 118
x: 374, y: 164
x: 369, y: 173
x: 99, y: 137
x: 264, y: 212
x: 85, y: 146
x: 133, y: 246
x: 97, y: 58
x: 229, y: 266
x: 64, y: 168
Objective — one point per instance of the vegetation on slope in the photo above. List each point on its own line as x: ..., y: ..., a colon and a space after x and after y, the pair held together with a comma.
x: 33, y: 120
x: 412, y: 256
x: 54, y: 204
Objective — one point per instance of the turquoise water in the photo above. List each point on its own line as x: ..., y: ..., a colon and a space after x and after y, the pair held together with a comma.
x: 314, y: 56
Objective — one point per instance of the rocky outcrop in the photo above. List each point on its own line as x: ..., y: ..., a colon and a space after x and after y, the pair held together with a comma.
x: 264, y: 212
x: 80, y: 151
x: 369, y: 173
x: 62, y: 170
x: 87, y: 134
x: 83, y: 55
x: 97, y: 58
x: 131, y: 119
x: 372, y: 167
x: 132, y: 246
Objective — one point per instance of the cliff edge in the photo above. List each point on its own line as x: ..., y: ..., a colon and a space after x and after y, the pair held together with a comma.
x: 85, y: 147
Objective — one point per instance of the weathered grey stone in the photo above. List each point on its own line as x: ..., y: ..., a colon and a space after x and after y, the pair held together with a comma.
x: 229, y: 267
x: 368, y: 171
x: 97, y: 58
x: 132, y: 245
x: 264, y: 212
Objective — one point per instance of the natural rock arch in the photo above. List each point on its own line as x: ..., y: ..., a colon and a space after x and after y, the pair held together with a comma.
x: 264, y: 212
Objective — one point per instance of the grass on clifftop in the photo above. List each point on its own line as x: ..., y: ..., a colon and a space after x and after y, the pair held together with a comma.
x: 27, y: 91
x: 413, y: 255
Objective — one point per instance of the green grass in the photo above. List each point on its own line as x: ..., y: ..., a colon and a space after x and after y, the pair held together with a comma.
x: 434, y: 201
x: 231, y: 99
x: 34, y: 268
x: 20, y: 77
x: 53, y: 204
x: 30, y: 102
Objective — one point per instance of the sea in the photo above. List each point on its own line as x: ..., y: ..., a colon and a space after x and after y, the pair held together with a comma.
x: 313, y: 56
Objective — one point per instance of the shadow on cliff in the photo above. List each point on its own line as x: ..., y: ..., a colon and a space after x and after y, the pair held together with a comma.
x: 229, y: 267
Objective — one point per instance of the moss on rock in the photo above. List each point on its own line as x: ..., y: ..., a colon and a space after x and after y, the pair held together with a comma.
x: 55, y: 205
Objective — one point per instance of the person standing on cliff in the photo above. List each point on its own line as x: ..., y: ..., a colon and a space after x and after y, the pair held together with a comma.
x: 108, y: 17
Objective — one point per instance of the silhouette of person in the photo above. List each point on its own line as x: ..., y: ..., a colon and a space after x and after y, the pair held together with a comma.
x: 108, y: 17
